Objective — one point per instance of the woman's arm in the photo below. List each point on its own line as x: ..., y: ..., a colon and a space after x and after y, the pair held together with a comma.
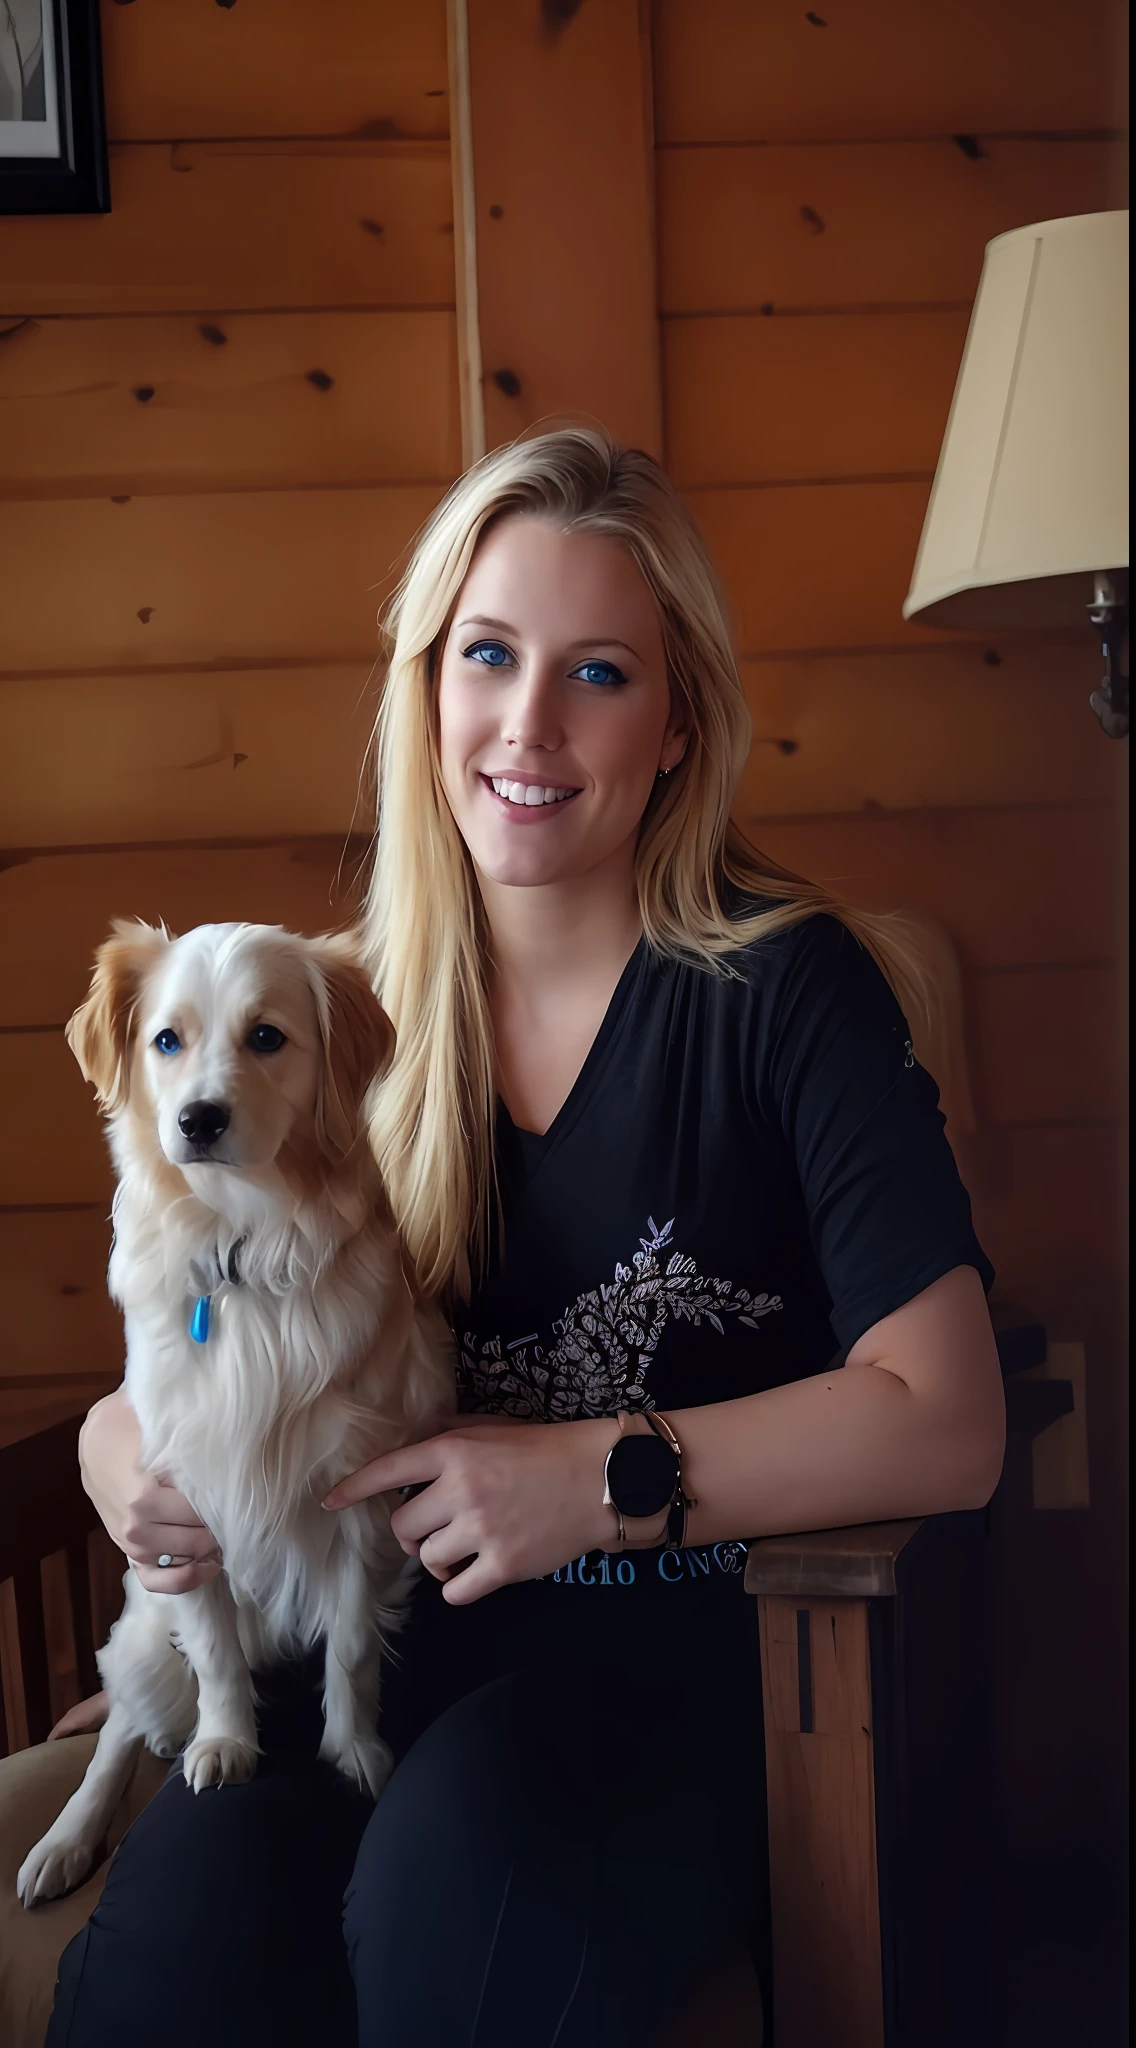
x: 145, y: 1517
x: 912, y: 1424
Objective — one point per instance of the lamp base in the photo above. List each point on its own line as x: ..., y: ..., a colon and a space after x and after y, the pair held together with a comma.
x: 1109, y: 614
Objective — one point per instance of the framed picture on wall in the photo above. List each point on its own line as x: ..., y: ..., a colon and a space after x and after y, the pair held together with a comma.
x: 52, y: 132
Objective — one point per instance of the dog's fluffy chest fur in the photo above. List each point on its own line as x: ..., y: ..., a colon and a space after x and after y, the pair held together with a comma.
x: 303, y: 1378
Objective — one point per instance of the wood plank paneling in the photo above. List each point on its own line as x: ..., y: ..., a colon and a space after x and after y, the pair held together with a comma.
x: 275, y: 67
x: 1047, y: 1045
x: 729, y: 71
x: 1012, y: 888
x: 59, y: 1318
x: 1047, y: 1202
x: 210, y: 755
x: 849, y: 395
x: 816, y: 565
x: 244, y: 403
x: 234, y: 226
x: 869, y: 224
x: 55, y: 909
x: 53, y: 1143
x: 258, y: 576
x: 954, y: 725
x: 563, y: 183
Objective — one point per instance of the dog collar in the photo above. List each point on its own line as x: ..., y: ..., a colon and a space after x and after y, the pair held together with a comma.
x: 199, y: 1320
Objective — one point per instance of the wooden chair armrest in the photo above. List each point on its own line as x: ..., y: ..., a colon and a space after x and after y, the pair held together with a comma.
x: 829, y: 1564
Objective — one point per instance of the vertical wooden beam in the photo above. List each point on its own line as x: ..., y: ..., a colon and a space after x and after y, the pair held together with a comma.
x: 555, y: 216
x: 827, y: 1959
x: 465, y: 233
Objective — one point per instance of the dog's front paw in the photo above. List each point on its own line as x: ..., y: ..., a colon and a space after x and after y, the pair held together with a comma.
x: 52, y: 1868
x: 218, y: 1760
x: 363, y: 1759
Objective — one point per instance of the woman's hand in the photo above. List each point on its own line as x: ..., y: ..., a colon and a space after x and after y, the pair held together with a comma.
x: 506, y: 1500
x: 83, y: 1718
x: 145, y: 1517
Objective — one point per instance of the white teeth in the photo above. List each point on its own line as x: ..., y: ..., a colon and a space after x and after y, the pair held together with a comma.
x: 528, y: 793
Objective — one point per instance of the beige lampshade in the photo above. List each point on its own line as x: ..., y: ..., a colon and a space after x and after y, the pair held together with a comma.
x: 1031, y: 494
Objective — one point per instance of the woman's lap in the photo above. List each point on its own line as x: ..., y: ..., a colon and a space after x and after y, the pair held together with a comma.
x: 544, y: 1860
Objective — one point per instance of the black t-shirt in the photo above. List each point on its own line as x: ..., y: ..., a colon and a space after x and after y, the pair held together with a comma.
x: 750, y: 1171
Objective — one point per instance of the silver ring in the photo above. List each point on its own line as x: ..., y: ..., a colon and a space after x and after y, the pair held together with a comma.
x: 165, y: 1560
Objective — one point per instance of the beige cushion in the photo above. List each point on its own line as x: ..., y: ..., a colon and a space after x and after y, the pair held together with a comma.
x: 35, y: 1785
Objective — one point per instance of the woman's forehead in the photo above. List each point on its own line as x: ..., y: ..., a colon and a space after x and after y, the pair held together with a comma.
x: 532, y: 575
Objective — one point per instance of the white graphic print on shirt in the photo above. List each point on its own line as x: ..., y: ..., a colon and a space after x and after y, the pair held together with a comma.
x: 603, y: 1344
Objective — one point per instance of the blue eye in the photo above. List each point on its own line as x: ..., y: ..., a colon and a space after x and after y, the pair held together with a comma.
x: 168, y: 1042
x: 265, y: 1038
x: 603, y: 673
x: 490, y: 653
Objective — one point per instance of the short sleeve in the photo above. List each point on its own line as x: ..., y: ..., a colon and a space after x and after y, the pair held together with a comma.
x: 887, y: 1211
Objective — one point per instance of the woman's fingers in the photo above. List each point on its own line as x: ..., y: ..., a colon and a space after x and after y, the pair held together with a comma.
x: 174, y: 1578
x: 412, y: 1465
x: 81, y: 1719
x: 165, y: 1539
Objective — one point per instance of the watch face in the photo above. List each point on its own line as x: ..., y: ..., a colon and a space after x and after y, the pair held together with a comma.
x: 641, y: 1474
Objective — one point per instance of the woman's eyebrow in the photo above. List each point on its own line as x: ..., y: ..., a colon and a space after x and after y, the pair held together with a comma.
x: 595, y: 640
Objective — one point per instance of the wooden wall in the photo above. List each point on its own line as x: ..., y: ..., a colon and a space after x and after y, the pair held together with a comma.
x: 224, y: 409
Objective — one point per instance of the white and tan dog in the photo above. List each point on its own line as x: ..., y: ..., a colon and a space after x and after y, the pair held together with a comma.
x: 272, y: 1343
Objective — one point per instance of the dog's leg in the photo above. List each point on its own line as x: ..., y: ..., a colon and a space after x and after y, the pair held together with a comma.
x: 144, y: 1672
x: 65, y: 1854
x: 224, y: 1747
x: 351, y: 1676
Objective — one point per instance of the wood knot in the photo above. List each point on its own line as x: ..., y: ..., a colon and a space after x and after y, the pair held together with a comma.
x: 508, y: 383
x: 143, y: 393
x: 787, y: 746
x: 496, y: 213
x: 215, y: 336
x: 992, y: 658
x: 371, y: 227
x: 815, y: 20
x: 970, y: 146
x: 812, y: 220
x: 320, y: 379
x: 145, y: 615
x: 122, y: 498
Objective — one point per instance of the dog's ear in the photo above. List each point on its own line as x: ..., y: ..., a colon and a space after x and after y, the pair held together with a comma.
x: 357, y: 1037
x: 101, y: 1031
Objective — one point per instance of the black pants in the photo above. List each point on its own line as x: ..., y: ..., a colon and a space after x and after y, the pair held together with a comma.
x: 564, y: 1848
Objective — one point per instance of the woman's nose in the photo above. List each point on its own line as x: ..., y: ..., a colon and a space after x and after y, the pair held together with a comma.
x: 532, y: 713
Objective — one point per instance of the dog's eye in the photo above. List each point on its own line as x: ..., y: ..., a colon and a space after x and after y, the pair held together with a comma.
x: 168, y: 1041
x: 264, y: 1038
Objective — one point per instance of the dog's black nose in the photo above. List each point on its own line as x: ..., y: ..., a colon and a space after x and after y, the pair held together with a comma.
x: 203, y: 1122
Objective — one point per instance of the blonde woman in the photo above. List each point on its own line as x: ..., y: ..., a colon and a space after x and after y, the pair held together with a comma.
x: 656, y: 1134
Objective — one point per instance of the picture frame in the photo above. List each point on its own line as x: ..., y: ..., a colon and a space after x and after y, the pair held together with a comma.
x: 53, y: 156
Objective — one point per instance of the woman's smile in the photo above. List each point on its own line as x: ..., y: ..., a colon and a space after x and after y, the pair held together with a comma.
x: 527, y: 799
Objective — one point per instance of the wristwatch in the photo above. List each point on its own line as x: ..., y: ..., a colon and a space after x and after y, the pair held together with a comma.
x: 643, y: 1479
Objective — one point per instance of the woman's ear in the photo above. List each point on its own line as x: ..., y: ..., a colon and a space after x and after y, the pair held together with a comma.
x: 102, y: 1029
x: 357, y: 1038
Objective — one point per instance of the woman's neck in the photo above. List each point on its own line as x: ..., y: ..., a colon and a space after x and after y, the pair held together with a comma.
x: 566, y: 936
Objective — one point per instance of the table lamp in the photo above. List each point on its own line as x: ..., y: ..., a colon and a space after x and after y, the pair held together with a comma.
x: 1027, y: 524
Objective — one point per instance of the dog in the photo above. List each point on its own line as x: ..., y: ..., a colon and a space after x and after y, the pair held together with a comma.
x: 273, y: 1344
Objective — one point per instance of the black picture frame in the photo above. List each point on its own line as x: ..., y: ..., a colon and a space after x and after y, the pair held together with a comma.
x: 75, y: 180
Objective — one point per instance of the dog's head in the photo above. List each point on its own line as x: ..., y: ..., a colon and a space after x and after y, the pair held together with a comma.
x: 237, y: 1043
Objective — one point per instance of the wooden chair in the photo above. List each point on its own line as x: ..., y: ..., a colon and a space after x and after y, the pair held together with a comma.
x: 876, y: 1678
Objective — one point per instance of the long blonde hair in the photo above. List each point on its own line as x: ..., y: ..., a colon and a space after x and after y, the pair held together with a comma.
x: 424, y: 929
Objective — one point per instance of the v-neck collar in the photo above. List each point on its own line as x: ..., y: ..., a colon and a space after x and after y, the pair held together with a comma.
x: 532, y: 1148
